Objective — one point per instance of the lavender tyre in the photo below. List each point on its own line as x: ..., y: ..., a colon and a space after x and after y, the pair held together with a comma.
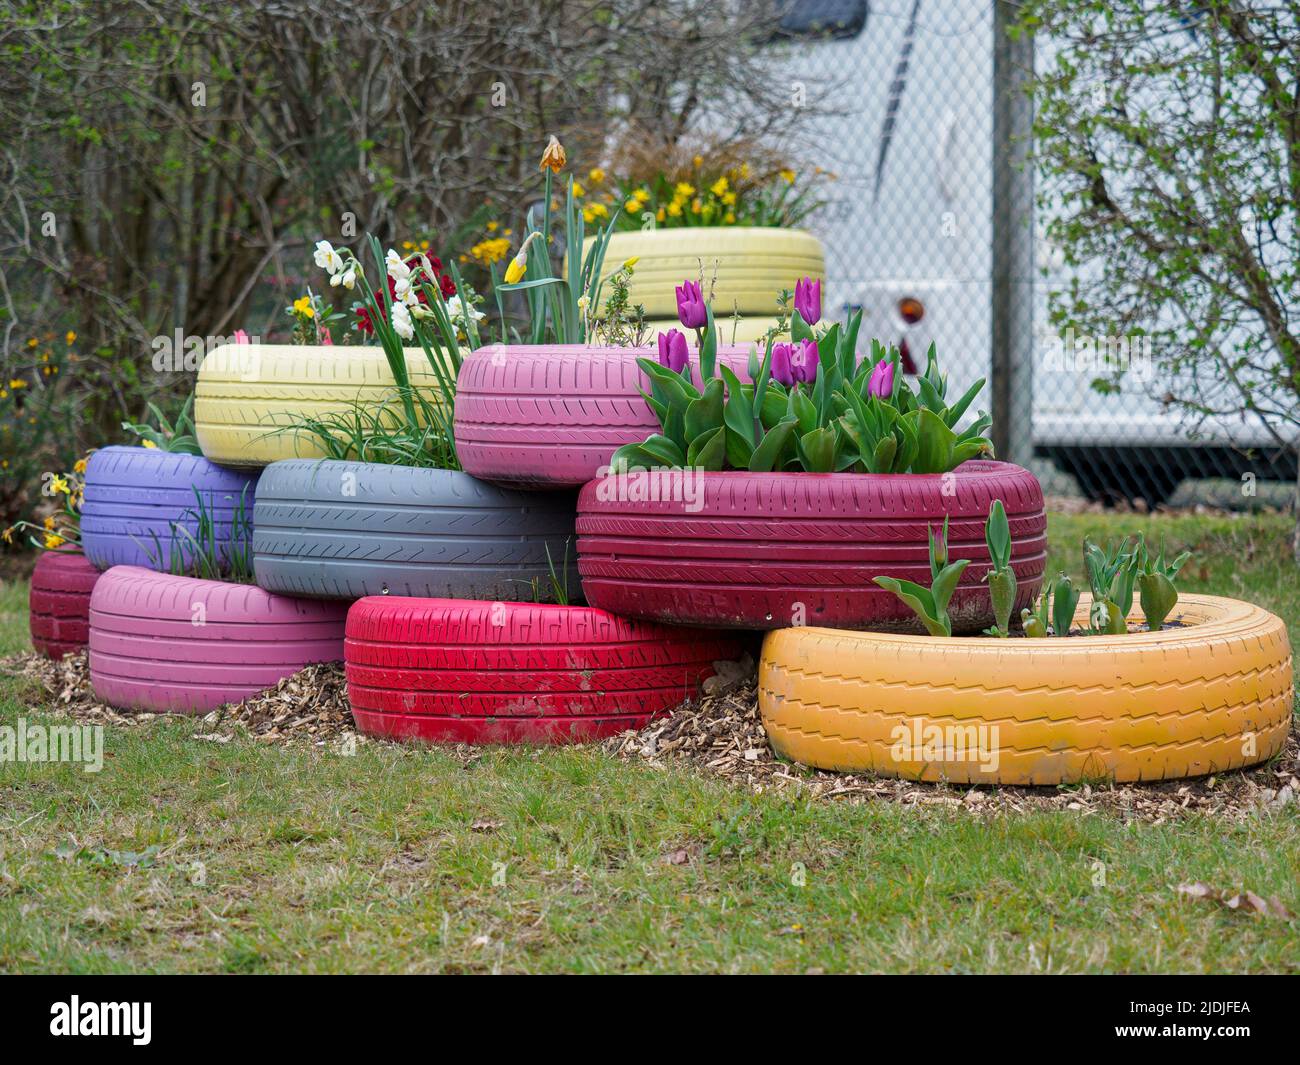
x: 142, y: 508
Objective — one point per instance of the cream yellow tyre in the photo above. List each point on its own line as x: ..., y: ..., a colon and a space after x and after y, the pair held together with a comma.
x: 753, y: 265
x: 248, y: 393
x: 1214, y: 695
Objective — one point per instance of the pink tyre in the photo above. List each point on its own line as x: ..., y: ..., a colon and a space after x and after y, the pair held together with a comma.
x: 59, y: 602
x: 181, y: 645
x: 551, y: 416
x: 772, y: 550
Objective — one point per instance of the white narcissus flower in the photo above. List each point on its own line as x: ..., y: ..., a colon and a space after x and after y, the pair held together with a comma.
x: 402, y: 324
x: 456, y: 310
x: 347, y: 278
x: 402, y: 289
x: 327, y: 258
x: 419, y: 310
x: 397, y: 269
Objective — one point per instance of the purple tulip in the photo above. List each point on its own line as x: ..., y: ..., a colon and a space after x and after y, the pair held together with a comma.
x: 808, y: 300
x: 690, y: 305
x: 804, y: 361
x: 672, y: 350
x: 882, y: 379
x: 781, y: 355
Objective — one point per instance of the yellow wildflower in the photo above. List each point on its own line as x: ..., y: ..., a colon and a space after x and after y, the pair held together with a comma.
x: 492, y: 226
x: 71, y: 337
x: 32, y: 342
x: 696, y: 205
x: 660, y: 214
x: 148, y: 443
x: 17, y: 383
x: 553, y: 158
x: 492, y: 250
x: 303, y: 306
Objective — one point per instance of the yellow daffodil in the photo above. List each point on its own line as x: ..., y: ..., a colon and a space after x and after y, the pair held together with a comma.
x: 79, y: 466
x: 788, y: 176
x: 58, y: 486
x: 578, y: 191
x: 595, y: 175
x: 629, y: 263
x: 697, y: 162
x: 553, y: 158
x: 17, y: 383
x: 729, y: 199
x: 730, y: 218
x: 661, y: 214
x: 697, y: 206
x: 32, y: 342
x: 599, y: 210
x: 71, y: 337
x: 632, y: 204
x: 674, y: 209
x: 684, y: 190
x: 492, y: 226
x: 51, y: 540
x: 588, y: 216
x: 9, y: 533
x: 148, y: 443
x: 49, y: 523
x: 719, y: 187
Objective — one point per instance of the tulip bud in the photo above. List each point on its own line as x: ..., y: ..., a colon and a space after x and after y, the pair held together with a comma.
x: 881, y: 383
x: 691, y: 311
x: 808, y: 300
x: 781, y: 369
x: 672, y: 350
x: 804, y: 361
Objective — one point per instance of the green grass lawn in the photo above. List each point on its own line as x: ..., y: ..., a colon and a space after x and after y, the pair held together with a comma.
x: 189, y: 855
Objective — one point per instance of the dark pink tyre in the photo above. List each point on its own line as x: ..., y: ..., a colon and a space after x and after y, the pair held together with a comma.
x: 180, y: 645
x: 142, y: 508
x: 469, y: 671
x: 551, y: 416
x: 59, y: 602
x: 771, y: 550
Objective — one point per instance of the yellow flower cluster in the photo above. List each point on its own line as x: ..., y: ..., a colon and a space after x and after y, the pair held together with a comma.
x: 489, y: 251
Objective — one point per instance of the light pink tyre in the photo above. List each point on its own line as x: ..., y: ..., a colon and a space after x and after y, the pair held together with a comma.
x: 180, y: 645
x: 551, y: 416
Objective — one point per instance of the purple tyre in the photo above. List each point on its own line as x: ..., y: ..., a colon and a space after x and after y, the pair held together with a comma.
x: 143, y: 506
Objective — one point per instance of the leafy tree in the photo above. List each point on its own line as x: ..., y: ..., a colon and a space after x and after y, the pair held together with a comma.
x: 1167, y: 144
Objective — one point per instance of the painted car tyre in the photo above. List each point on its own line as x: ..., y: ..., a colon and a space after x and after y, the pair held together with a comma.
x: 141, y: 502
x: 768, y: 550
x: 59, y: 602
x: 753, y: 265
x: 349, y: 529
x: 180, y: 645
x: 1212, y: 696
x: 551, y: 416
x: 247, y: 394
x: 446, y: 670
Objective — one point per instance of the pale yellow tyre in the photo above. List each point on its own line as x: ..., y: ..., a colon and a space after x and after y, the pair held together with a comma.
x: 1214, y: 695
x: 753, y: 265
x: 747, y: 331
x: 247, y: 393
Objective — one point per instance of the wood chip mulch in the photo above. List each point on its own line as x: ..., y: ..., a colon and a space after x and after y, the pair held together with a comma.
x: 719, y: 735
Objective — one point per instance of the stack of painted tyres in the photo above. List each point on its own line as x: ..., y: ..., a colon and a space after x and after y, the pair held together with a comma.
x: 460, y: 627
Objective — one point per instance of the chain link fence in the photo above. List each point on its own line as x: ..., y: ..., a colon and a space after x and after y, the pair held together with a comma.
x: 912, y: 234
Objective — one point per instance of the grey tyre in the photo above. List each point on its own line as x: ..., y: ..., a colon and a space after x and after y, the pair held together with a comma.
x: 343, y: 530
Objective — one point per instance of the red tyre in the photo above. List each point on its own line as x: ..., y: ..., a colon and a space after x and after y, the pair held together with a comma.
x: 771, y: 550
x: 550, y: 416
x: 469, y: 671
x: 59, y: 602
